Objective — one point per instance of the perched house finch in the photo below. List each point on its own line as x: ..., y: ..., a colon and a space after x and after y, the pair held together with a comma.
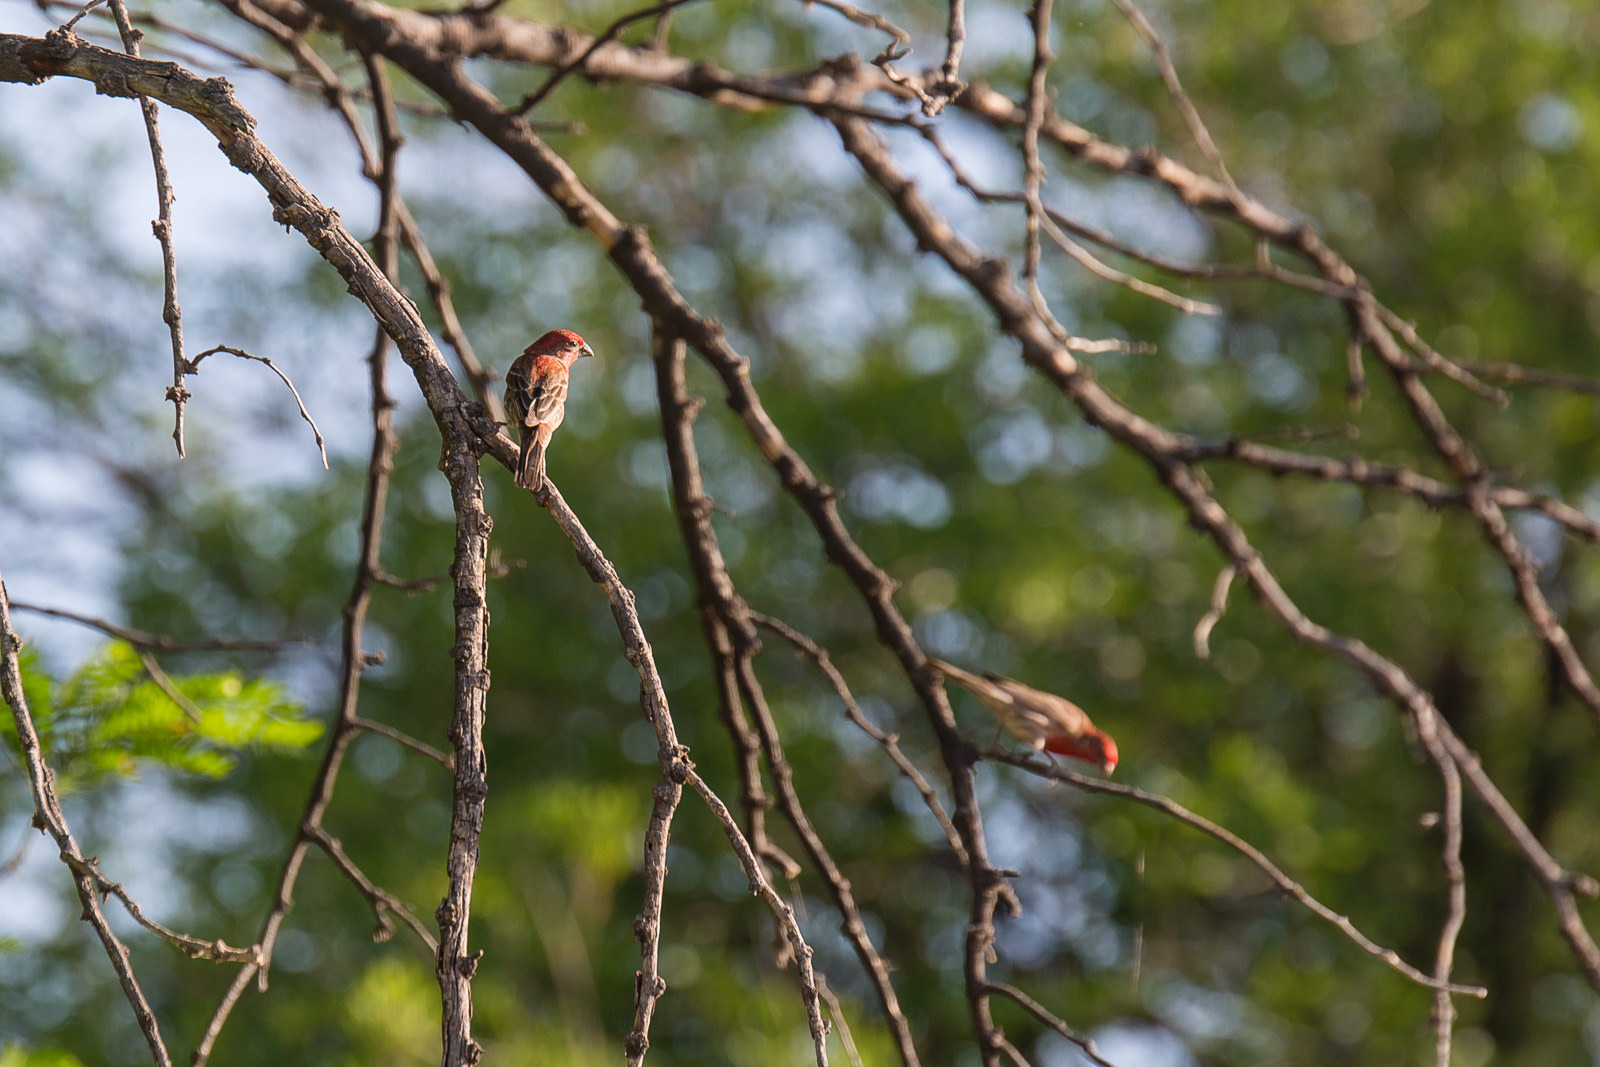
x: 536, y: 397
x: 1047, y: 722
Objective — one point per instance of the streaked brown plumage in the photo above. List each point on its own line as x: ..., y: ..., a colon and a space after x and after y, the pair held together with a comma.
x: 1043, y: 720
x: 536, y: 398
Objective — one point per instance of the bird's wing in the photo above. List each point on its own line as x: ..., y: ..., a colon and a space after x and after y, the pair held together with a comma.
x: 546, y: 393
x: 1018, y: 719
x: 981, y: 686
x: 1051, y: 713
x: 517, y: 390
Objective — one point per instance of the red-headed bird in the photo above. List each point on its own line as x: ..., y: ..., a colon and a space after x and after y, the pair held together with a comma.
x: 1043, y: 720
x: 536, y: 398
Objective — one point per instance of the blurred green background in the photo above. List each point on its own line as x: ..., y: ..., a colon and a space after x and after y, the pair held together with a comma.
x: 1447, y: 149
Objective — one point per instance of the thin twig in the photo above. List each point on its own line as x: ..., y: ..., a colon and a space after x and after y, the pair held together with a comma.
x: 1432, y: 359
x: 1517, y: 374
x: 900, y: 39
x: 12, y: 865
x: 1169, y: 75
x: 1053, y: 1021
x: 890, y: 743
x: 444, y: 759
x: 165, y: 683
x: 1444, y: 1010
x: 193, y: 367
x: 1356, y: 369
x: 760, y: 886
x: 841, y: 1025
x: 609, y: 34
x: 171, y: 313
x: 1032, y: 166
x: 49, y: 817
x: 66, y: 27
x: 1357, y: 471
x: 1219, y: 605
x: 1056, y: 224
x: 1091, y: 262
x: 1055, y: 772
x: 898, y: 47
x: 192, y: 947
x: 955, y: 41
x: 382, y: 902
x: 455, y: 335
x: 496, y: 569
x: 161, y: 642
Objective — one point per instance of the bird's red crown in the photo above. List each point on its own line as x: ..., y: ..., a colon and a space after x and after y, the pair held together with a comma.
x: 557, y: 342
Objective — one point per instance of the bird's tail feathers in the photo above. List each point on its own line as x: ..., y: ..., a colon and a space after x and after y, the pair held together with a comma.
x: 954, y: 673
x: 530, y: 464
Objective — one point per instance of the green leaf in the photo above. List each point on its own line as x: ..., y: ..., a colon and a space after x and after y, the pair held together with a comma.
x: 109, y: 718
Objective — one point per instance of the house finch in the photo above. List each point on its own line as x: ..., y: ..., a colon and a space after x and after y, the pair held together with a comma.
x: 1047, y: 722
x: 536, y: 397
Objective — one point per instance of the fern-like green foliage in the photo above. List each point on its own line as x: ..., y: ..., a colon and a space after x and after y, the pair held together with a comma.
x: 108, y: 718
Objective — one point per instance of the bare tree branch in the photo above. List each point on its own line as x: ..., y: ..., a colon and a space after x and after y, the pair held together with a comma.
x: 714, y: 586
x: 717, y: 593
x: 609, y: 34
x: 1048, y: 769
x: 161, y: 642
x: 648, y: 985
x: 171, y: 313
x: 1169, y: 75
x: 805, y: 646
x: 1160, y: 449
x: 672, y: 755
x: 48, y: 817
x: 193, y: 367
x: 1050, y: 1019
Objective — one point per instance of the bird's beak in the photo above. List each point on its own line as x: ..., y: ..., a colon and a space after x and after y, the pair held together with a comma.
x: 585, y: 351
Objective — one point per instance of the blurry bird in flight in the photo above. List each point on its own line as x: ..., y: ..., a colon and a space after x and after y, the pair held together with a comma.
x: 1043, y: 720
x: 536, y: 398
